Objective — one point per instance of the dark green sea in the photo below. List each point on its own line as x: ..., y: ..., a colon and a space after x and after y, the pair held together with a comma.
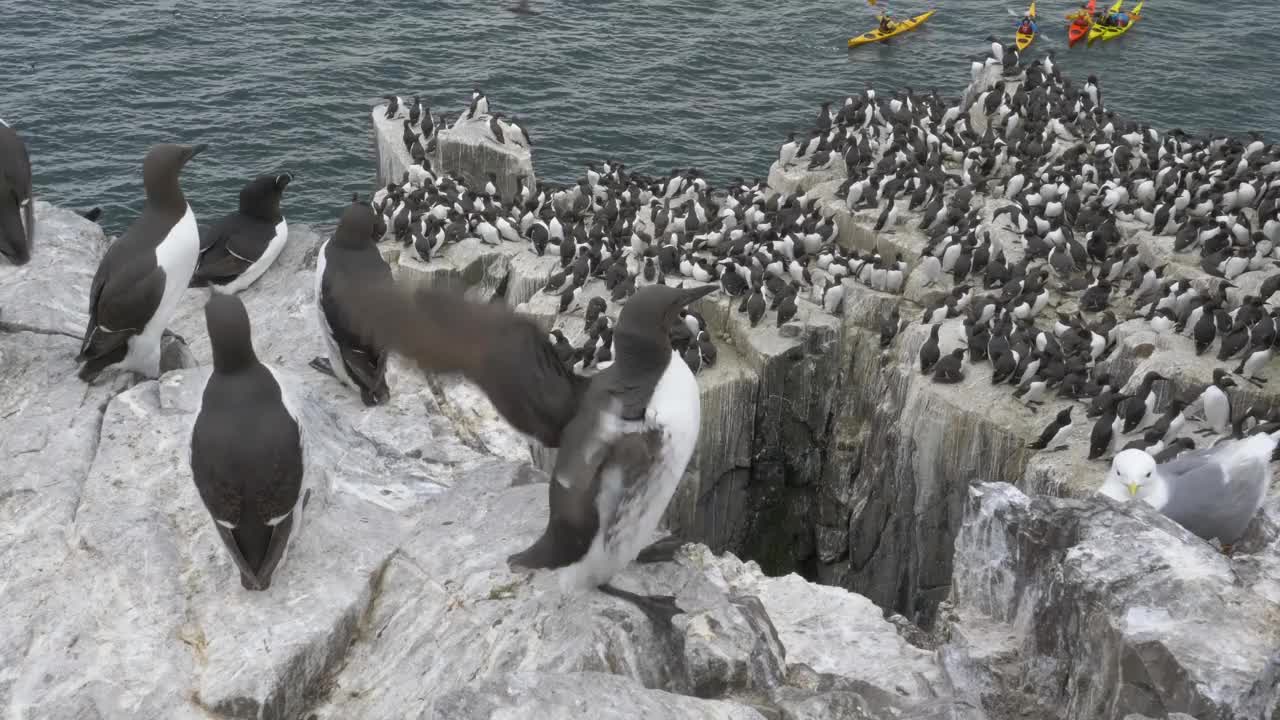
x: 286, y: 84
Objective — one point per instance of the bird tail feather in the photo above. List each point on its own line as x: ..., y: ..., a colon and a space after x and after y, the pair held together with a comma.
x: 1250, y: 451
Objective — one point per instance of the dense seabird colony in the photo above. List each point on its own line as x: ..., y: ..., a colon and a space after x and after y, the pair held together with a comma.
x: 1043, y: 222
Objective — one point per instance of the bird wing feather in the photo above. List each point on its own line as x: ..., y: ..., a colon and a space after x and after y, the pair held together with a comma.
x: 508, y: 356
x: 592, y: 485
x: 222, y: 485
x: 218, y: 259
x: 1214, y: 492
x: 122, y: 304
x: 362, y: 359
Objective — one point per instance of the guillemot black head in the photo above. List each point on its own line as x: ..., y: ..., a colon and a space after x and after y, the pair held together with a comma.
x: 229, y: 334
x: 160, y: 172
x: 649, y: 313
x: 356, y: 228
x: 260, y: 198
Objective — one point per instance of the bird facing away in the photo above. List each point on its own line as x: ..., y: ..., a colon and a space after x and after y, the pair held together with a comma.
x: 247, y: 454
x: 625, y: 435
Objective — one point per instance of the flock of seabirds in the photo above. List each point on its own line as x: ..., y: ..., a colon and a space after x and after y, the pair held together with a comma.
x: 622, y: 405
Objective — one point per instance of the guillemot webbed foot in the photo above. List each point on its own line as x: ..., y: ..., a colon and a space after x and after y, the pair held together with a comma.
x: 661, y: 609
x: 663, y: 550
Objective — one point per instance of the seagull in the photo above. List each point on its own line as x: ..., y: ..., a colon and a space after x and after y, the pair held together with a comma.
x: 1214, y: 492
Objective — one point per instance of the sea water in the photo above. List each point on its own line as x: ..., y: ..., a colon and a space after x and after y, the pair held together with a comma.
x: 287, y: 85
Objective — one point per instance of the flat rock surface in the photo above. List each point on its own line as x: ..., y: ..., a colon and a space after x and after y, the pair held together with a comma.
x: 122, y: 603
x: 51, y: 293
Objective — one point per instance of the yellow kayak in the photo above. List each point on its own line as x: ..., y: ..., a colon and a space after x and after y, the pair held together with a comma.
x: 1021, y: 39
x: 1111, y: 32
x: 902, y: 26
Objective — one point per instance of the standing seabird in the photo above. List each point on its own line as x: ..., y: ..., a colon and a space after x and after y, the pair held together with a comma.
x: 495, y: 129
x: 1054, y: 435
x: 625, y: 435
x: 17, y: 215
x: 930, y: 353
x: 479, y: 105
x: 519, y: 135
x: 143, y: 275
x: 393, y: 105
x: 247, y: 449
x: 352, y: 252
x: 1216, y: 404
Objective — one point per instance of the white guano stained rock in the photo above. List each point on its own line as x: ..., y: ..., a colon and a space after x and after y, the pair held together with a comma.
x: 395, y: 600
x: 1108, y: 609
x: 466, y: 148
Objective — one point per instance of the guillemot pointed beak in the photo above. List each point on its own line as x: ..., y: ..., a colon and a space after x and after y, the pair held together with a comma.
x: 195, y: 150
x: 691, y: 294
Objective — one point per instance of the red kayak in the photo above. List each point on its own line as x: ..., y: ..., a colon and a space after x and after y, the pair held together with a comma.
x: 1078, y: 31
x: 1081, y: 21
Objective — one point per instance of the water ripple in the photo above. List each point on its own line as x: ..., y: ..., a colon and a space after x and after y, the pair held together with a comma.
x: 287, y: 84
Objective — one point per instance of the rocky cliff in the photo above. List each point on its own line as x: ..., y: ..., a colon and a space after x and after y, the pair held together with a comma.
x: 823, y: 454
x: 820, y: 452
x: 396, y: 601
x: 1091, y: 609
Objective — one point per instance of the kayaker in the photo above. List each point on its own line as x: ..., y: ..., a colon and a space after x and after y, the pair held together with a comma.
x: 886, y: 23
x: 1028, y: 26
x: 1121, y: 19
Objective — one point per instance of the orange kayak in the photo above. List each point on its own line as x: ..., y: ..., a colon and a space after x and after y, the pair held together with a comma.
x: 1081, y: 22
x: 1078, y: 31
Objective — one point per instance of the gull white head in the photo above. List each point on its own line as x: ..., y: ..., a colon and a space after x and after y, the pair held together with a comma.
x: 1132, y: 476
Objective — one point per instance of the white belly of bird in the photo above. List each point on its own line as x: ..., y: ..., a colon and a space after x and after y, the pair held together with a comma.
x: 626, y: 527
x: 330, y: 345
x: 263, y: 263
x: 178, y: 254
